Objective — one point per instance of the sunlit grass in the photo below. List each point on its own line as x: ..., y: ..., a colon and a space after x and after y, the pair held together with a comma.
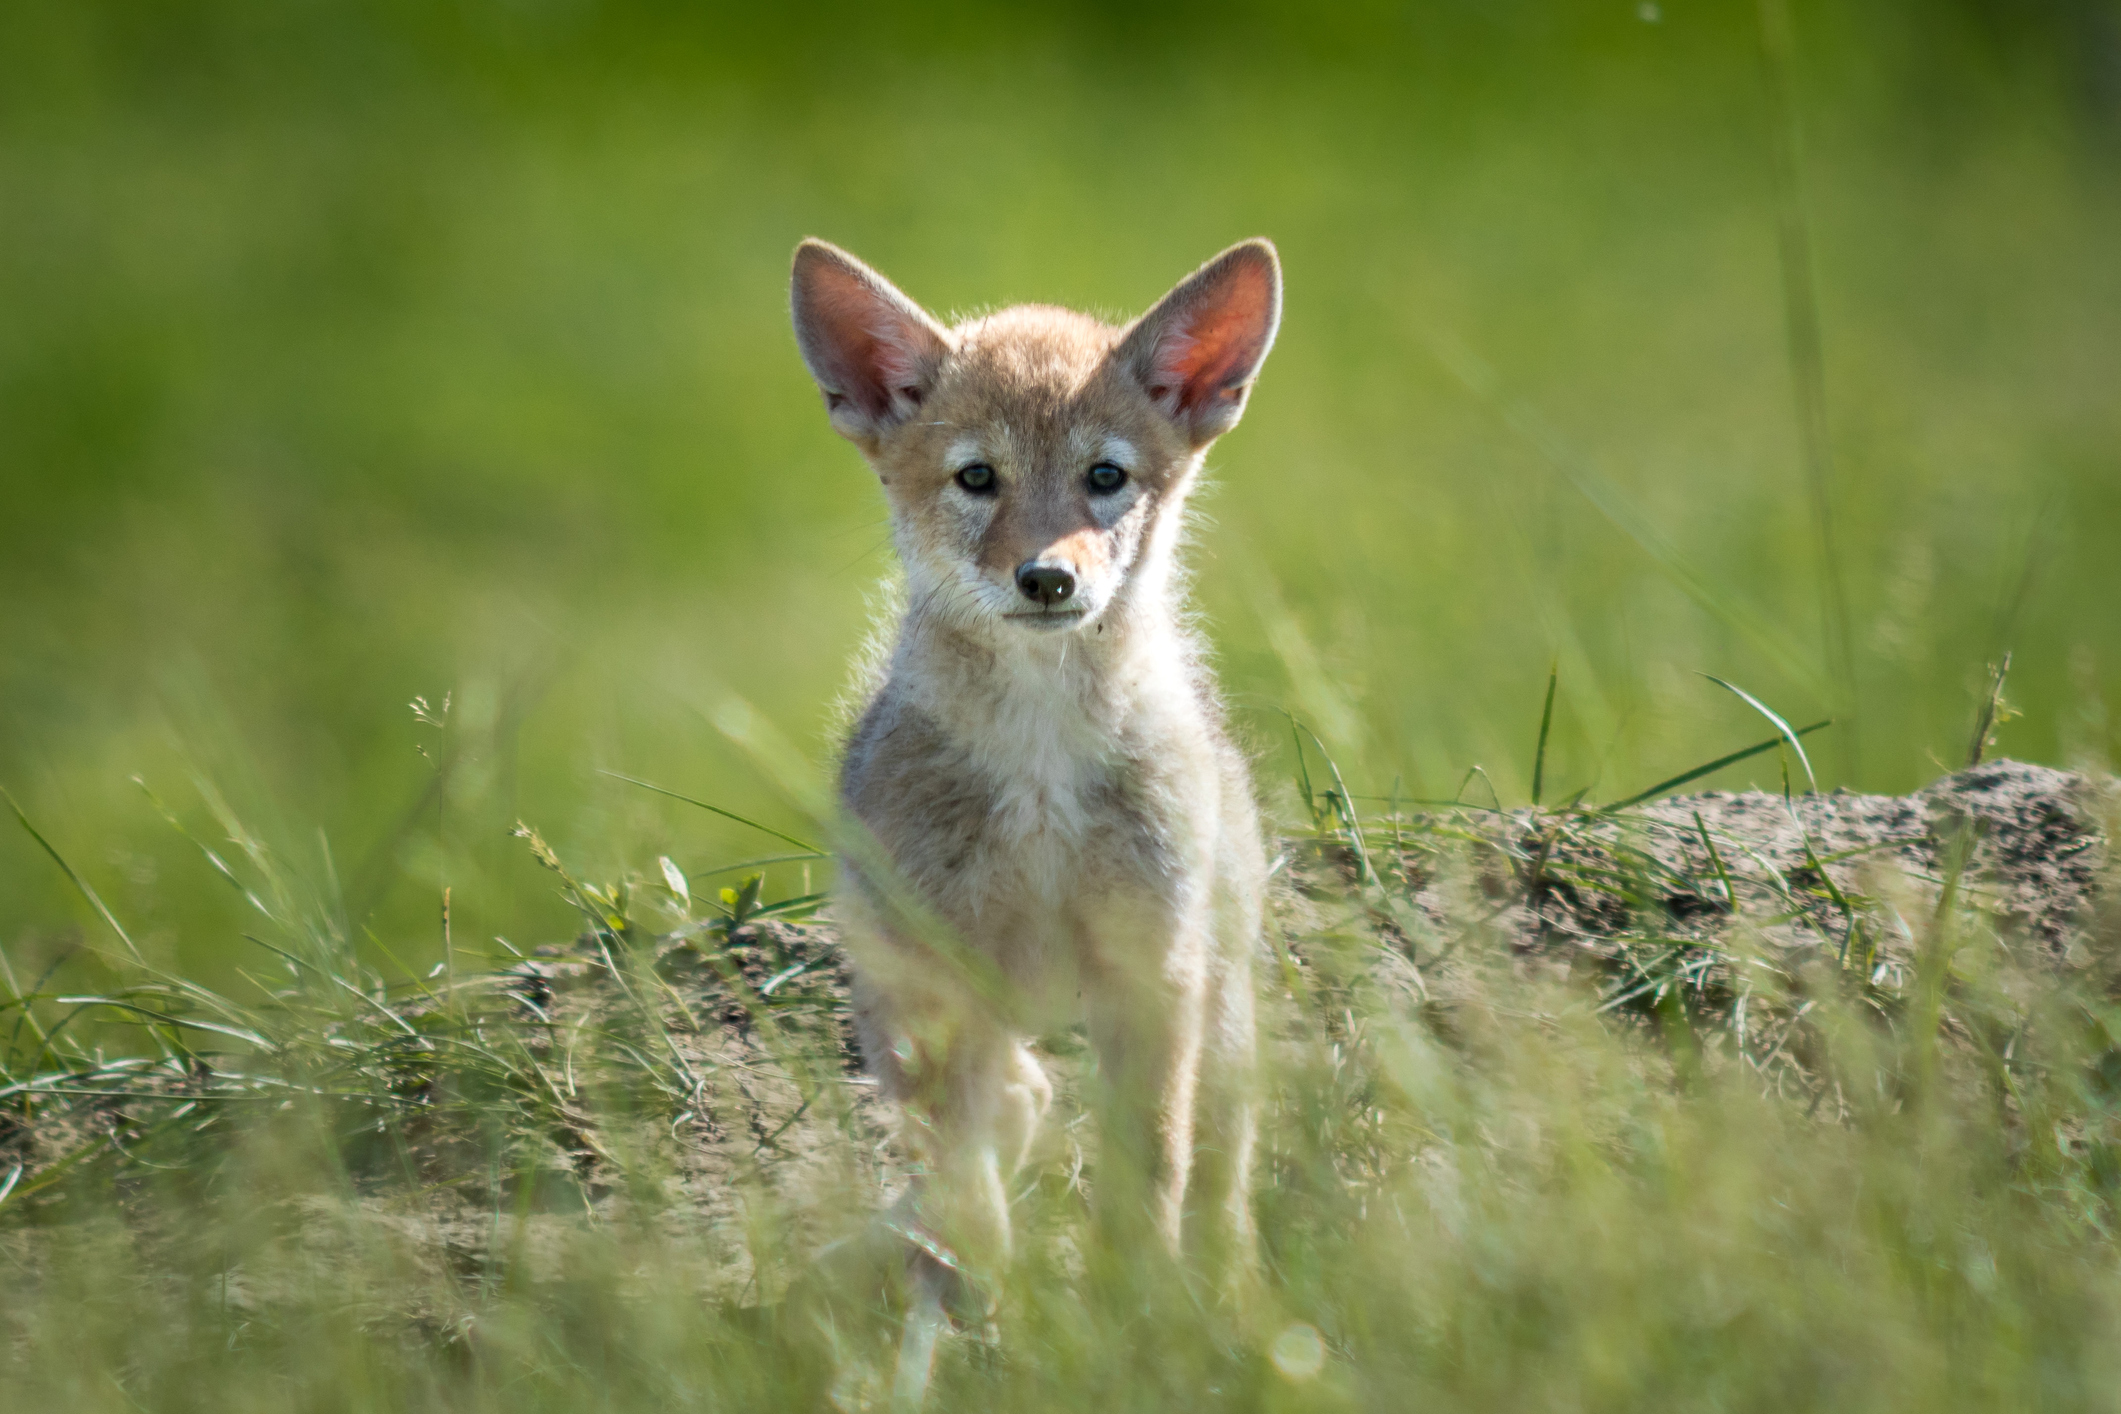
x: 1694, y: 1169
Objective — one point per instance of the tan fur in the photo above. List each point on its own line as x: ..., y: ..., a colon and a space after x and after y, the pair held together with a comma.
x: 1052, y: 781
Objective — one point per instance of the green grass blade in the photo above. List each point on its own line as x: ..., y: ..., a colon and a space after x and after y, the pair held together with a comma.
x: 1723, y: 875
x: 1994, y: 712
x: 87, y: 891
x: 1346, y: 808
x: 1303, y: 769
x: 709, y: 871
x: 219, y: 864
x: 1546, y: 722
x: 1775, y: 719
x: 813, y: 850
x: 167, y: 1019
x: 1710, y: 768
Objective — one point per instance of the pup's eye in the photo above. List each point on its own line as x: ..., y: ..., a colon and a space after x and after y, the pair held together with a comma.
x: 1105, y: 478
x: 978, y: 479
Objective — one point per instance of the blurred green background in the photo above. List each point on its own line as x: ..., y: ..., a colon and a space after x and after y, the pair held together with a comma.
x: 353, y: 353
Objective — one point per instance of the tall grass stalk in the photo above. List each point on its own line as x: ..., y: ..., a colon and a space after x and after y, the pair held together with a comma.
x: 1807, y: 355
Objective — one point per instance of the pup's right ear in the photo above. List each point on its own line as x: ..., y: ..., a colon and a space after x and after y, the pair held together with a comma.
x: 873, y: 352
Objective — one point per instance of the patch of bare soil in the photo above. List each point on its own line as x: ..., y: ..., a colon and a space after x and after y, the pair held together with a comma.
x: 1862, y: 876
x: 2026, y: 844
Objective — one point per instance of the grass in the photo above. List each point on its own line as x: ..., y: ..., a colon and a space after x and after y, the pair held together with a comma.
x: 1696, y: 1166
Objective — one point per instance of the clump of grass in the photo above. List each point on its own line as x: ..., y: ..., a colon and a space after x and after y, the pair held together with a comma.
x: 1534, y: 1138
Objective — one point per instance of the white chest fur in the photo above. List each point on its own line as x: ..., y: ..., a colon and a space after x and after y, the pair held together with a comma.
x: 1048, y: 744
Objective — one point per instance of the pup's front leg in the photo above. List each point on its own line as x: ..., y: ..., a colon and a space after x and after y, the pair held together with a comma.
x: 1146, y: 991
x: 1219, y: 1236
x: 972, y: 1096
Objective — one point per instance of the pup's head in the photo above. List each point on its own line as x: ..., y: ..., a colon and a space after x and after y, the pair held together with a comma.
x: 1035, y: 459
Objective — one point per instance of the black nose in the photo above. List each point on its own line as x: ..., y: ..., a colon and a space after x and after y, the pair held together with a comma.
x: 1048, y: 584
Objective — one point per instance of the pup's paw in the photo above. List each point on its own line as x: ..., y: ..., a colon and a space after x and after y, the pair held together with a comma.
x: 936, y: 1279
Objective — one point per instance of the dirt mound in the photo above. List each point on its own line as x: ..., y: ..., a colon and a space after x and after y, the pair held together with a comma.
x: 730, y: 1051
x: 2026, y: 845
x: 1664, y: 894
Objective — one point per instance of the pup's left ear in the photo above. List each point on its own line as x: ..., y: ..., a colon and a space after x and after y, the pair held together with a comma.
x: 1198, y: 351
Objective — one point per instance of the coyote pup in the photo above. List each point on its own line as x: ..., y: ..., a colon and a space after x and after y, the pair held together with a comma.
x: 1045, y: 772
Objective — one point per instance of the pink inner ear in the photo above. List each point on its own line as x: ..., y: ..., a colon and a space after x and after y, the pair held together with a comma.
x: 869, y: 348
x: 851, y: 324
x: 1214, y: 348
